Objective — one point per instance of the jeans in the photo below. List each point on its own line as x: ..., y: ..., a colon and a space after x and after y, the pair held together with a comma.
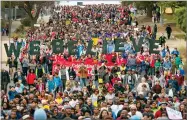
x: 56, y: 91
x: 25, y: 70
x: 169, y: 35
x: 151, y: 71
x: 63, y: 84
x: 83, y: 82
x: 96, y: 83
x: 131, y: 86
x: 4, y: 86
x: 45, y: 67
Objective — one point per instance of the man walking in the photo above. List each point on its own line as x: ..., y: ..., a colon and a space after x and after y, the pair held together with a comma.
x: 162, y: 40
x: 5, y: 79
x: 168, y: 31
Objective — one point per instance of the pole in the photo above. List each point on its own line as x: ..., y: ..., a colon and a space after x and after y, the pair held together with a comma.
x: 15, y: 11
x: 9, y: 21
x: 161, y: 14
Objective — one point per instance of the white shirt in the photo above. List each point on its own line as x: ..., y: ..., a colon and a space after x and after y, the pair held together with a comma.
x: 110, y: 96
x: 116, y: 108
x: 73, y: 103
x: 137, y: 113
x: 77, y: 88
x: 170, y: 93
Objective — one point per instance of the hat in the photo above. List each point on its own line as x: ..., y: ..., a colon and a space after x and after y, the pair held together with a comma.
x: 147, y: 106
x: 67, y: 107
x: 170, y: 84
x: 135, y: 117
x: 162, y: 103
x: 40, y: 114
x: 140, y: 93
x: 25, y: 117
x: 111, y: 89
x: 66, y: 99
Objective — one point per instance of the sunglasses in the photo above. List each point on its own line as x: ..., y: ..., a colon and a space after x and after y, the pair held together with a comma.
x: 133, y: 109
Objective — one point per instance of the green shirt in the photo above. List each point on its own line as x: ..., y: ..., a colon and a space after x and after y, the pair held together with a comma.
x: 157, y: 64
x: 177, y: 61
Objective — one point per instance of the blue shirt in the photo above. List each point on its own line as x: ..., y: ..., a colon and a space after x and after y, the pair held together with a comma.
x: 57, y: 81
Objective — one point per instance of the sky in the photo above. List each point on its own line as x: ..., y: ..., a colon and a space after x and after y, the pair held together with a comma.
x: 88, y: 2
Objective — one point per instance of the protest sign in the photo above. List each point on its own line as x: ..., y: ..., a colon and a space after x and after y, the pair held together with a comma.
x: 36, y: 25
x: 57, y: 46
x: 173, y: 114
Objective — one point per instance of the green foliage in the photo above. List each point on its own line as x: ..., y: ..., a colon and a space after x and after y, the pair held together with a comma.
x: 28, y: 6
x: 174, y: 4
x: 181, y: 18
x: 20, y: 29
x: 3, y: 23
x: 26, y: 21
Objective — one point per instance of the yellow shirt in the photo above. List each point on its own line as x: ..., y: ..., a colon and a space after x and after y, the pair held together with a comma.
x: 45, y: 107
x: 59, y: 100
x: 95, y: 41
x: 122, y: 68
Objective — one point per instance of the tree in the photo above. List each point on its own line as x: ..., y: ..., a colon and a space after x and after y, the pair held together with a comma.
x: 146, y: 5
x: 32, y: 8
x: 172, y: 4
x: 181, y: 18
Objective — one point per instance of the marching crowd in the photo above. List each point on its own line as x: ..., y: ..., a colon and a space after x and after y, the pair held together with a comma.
x: 139, y: 85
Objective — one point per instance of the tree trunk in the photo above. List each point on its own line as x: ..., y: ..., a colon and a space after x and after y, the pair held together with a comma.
x: 33, y: 21
x: 149, y: 11
x: 173, y: 10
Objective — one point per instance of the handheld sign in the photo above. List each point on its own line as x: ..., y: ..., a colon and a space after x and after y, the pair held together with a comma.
x: 36, y: 25
x: 173, y: 114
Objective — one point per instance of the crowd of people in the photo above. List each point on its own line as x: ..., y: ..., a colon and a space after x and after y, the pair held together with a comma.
x: 139, y: 85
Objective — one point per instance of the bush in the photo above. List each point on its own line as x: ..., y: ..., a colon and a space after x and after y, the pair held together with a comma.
x: 181, y: 18
x: 19, y: 35
x: 26, y: 21
x: 20, y: 29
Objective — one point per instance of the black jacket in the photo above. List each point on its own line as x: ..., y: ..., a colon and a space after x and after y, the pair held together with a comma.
x: 5, y: 78
x: 13, y: 63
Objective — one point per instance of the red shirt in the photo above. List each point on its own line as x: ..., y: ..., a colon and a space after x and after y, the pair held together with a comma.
x: 158, y: 114
x: 30, y: 78
x: 88, y: 61
x: 152, y: 63
x: 115, y: 79
x: 139, y: 59
x: 121, y: 61
x: 180, y: 79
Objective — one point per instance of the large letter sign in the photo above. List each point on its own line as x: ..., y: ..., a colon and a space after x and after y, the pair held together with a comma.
x: 89, y: 49
x: 72, y: 48
x: 119, y: 43
x: 13, y: 49
x: 35, y: 48
x: 137, y: 47
x: 57, y: 46
x: 152, y: 46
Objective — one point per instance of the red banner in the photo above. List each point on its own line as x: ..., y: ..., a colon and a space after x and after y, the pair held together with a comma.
x: 89, y: 63
x: 77, y: 64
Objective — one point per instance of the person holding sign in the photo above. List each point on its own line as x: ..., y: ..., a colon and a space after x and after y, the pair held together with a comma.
x: 161, y: 110
x: 83, y: 74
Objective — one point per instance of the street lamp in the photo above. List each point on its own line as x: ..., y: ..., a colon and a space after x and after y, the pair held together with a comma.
x: 10, y: 23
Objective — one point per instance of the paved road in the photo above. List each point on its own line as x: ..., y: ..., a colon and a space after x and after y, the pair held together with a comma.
x: 16, y: 24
